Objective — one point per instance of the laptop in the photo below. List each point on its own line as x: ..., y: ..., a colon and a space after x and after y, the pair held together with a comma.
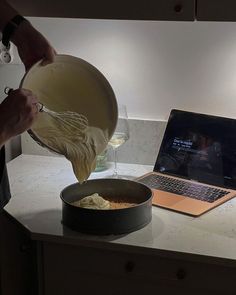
x: 195, y: 169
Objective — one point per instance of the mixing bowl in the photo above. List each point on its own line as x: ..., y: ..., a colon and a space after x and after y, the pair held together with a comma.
x: 72, y: 84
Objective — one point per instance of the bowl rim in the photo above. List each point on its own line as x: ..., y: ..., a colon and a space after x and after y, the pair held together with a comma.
x: 107, y: 210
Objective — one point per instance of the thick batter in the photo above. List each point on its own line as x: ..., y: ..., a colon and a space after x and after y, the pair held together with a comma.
x: 69, y: 134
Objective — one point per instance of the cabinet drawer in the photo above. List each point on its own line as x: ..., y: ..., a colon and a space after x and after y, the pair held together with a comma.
x: 69, y: 268
x: 106, y: 9
x: 216, y: 10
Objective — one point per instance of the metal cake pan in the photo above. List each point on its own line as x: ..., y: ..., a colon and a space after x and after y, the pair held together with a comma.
x: 111, y: 221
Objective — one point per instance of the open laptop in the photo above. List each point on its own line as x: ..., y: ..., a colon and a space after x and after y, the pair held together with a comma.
x: 195, y: 169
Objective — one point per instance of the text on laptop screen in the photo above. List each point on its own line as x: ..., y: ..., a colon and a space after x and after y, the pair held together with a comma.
x: 199, y: 147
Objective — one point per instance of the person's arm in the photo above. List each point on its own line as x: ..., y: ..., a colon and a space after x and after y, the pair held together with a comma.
x: 32, y: 45
x: 19, y: 109
x: 17, y: 113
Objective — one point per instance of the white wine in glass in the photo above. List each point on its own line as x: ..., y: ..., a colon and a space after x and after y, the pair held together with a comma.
x: 121, y: 134
x: 118, y: 139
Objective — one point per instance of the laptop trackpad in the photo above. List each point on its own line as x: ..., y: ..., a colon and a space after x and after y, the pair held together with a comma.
x: 166, y: 199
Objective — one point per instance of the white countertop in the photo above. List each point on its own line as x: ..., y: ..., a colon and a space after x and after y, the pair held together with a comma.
x: 36, y: 182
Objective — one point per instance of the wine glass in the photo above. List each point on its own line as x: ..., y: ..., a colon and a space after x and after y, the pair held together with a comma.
x: 120, y: 136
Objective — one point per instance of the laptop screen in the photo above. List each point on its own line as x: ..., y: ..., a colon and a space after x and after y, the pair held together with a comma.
x: 199, y: 147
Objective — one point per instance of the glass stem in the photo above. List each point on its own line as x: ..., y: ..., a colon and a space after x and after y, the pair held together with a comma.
x: 115, y: 163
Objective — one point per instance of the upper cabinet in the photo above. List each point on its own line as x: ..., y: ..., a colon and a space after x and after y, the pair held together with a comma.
x: 172, y: 10
x: 216, y: 10
x: 179, y: 10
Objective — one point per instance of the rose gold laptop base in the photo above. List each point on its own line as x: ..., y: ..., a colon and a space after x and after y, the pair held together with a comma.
x: 185, y: 204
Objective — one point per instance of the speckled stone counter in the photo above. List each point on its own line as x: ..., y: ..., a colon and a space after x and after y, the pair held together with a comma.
x: 36, y: 182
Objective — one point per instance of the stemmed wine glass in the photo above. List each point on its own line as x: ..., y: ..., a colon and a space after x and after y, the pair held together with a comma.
x: 120, y: 136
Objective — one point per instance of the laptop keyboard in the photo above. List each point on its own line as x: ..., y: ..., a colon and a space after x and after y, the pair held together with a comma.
x: 184, y: 188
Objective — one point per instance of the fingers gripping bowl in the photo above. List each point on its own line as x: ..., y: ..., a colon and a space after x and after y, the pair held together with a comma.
x: 109, y: 221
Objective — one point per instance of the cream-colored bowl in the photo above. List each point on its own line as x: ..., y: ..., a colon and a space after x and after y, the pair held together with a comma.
x: 72, y: 84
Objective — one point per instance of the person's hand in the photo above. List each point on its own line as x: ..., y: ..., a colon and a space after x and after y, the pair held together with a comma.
x: 17, y: 113
x: 32, y: 46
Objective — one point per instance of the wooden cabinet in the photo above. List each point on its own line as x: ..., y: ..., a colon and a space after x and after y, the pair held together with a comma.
x: 216, y: 10
x: 172, y: 10
x: 72, y: 270
x: 106, y: 9
x: 41, y: 267
x: 17, y: 259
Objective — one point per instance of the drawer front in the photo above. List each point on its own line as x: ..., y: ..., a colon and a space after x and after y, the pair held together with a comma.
x: 216, y: 10
x: 74, y: 268
x: 105, y: 9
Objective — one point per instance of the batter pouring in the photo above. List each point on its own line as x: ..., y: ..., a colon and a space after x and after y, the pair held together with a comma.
x: 69, y: 134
